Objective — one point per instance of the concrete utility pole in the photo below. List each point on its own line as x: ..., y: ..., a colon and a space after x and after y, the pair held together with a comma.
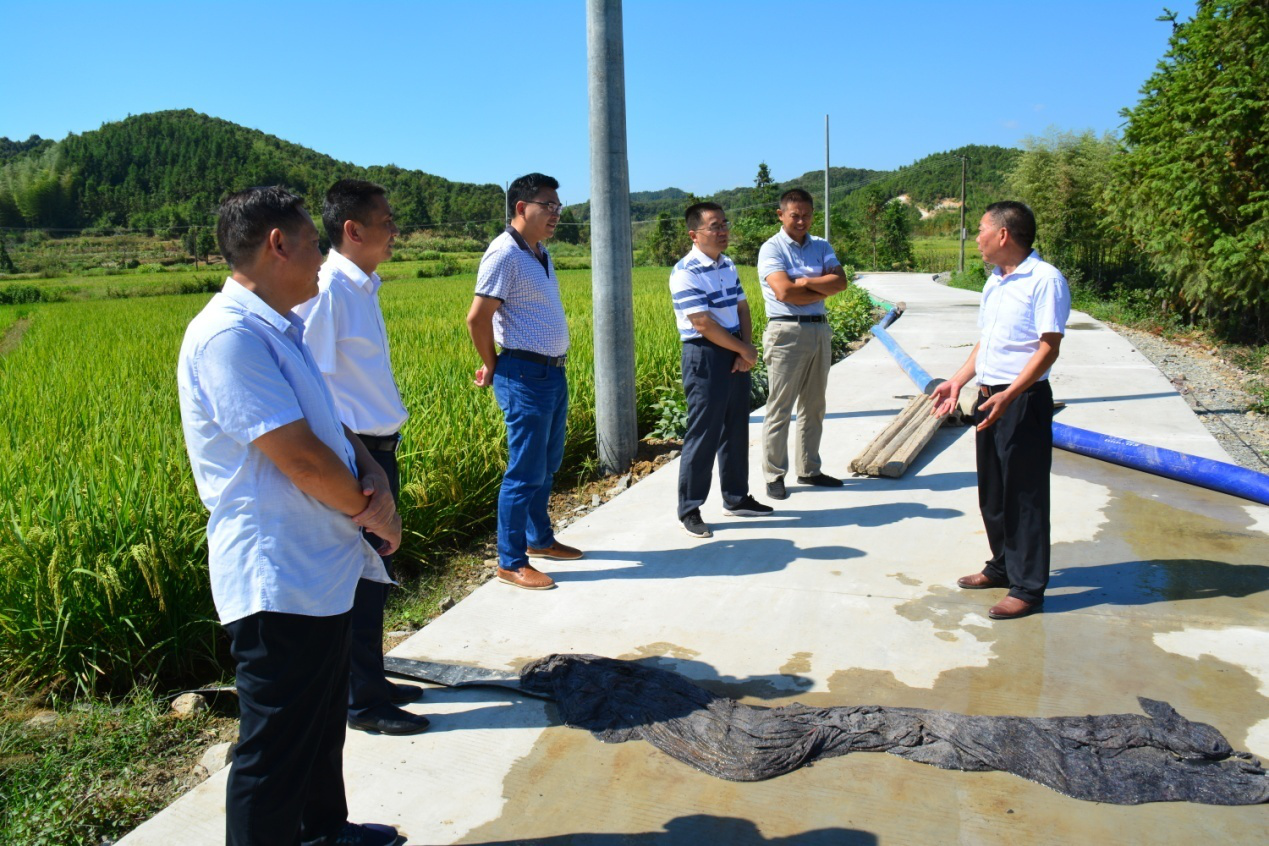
x: 616, y: 421
x: 961, y: 266
x: 825, y: 177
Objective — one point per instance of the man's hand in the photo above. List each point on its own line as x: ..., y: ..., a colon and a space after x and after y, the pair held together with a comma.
x: 995, y: 406
x: 381, y: 508
x: 483, y: 377
x: 945, y: 397
x: 746, y: 359
x: 389, y: 535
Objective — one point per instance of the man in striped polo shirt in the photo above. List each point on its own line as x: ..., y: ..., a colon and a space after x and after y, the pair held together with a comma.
x: 517, y: 307
x: 713, y: 322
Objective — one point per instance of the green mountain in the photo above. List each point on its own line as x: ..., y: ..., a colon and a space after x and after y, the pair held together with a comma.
x: 925, y: 182
x: 169, y: 169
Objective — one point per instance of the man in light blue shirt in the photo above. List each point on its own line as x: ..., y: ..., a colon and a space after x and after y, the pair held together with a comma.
x: 798, y: 273
x: 279, y: 475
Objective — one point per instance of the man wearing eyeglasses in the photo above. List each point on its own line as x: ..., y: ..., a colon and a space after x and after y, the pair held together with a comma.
x: 714, y: 325
x: 798, y: 273
x: 517, y: 307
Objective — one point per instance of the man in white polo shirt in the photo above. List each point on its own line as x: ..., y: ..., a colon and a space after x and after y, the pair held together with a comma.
x: 518, y: 307
x: 280, y: 475
x: 713, y: 321
x: 1022, y: 318
x: 344, y: 329
x: 798, y: 273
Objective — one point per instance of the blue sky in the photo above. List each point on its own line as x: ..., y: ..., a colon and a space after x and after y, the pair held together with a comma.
x: 484, y: 90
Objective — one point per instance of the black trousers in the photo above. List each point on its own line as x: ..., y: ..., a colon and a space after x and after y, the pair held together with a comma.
x: 717, y: 424
x: 1015, y: 455
x: 367, y: 687
x: 286, y: 784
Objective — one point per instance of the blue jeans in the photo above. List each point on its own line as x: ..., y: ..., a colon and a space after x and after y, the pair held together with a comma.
x: 534, y: 400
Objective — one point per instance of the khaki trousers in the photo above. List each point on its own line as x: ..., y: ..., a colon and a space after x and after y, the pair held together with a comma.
x: 798, y: 356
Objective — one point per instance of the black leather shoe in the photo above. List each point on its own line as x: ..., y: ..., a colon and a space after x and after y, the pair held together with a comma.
x: 404, y: 694
x: 820, y: 480
x: 389, y: 720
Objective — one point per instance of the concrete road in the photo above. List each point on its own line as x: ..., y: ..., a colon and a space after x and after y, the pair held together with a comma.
x: 848, y: 597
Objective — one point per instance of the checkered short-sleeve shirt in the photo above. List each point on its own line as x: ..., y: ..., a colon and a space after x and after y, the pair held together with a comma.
x: 531, y: 316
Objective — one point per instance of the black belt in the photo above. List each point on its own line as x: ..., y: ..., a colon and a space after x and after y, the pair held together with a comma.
x: 800, y: 318
x: 548, y: 360
x: 988, y: 390
x: 381, y: 443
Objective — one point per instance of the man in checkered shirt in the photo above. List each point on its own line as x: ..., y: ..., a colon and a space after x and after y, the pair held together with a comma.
x: 517, y: 307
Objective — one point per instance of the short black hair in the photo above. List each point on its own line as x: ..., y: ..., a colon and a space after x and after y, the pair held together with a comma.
x: 527, y: 187
x: 348, y: 199
x: 796, y: 195
x: 246, y: 218
x: 696, y: 213
x: 1017, y: 218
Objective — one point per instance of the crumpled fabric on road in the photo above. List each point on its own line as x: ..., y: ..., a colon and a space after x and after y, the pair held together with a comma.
x: 1125, y: 759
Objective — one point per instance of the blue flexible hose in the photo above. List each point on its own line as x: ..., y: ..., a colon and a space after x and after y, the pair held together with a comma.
x: 1183, y: 467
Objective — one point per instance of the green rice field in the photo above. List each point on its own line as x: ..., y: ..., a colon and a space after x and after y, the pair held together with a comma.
x: 103, y: 572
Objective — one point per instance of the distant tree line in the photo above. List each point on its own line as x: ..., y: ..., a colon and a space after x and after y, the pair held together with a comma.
x: 169, y: 170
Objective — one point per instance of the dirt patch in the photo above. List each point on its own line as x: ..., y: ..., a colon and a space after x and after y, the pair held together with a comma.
x: 13, y: 335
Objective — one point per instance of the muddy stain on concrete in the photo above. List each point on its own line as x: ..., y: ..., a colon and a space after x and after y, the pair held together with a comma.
x: 1157, y: 564
x: 904, y: 579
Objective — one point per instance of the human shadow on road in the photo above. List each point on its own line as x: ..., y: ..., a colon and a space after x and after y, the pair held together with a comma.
x: 1129, y: 583
x: 699, y: 830
x: 717, y: 557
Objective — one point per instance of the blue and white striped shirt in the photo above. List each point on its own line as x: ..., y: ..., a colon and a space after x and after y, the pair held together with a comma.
x: 699, y: 283
x: 531, y: 316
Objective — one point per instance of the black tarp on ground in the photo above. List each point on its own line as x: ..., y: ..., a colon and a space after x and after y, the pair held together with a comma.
x: 1126, y: 759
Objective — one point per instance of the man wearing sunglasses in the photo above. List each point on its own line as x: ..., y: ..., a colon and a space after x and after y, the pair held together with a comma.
x: 798, y: 273
x: 714, y: 325
x: 517, y: 307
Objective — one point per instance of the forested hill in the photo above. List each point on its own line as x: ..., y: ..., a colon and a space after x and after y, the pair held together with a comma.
x: 168, y: 169
x: 925, y: 181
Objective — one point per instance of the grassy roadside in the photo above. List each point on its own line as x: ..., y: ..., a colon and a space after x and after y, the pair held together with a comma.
x: 1138, y: 310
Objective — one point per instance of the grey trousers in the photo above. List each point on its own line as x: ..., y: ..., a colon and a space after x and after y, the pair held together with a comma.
x: 798, y: 356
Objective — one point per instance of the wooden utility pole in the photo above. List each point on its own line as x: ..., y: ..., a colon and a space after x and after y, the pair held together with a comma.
x: 825, y: 177
x: 961, y: 266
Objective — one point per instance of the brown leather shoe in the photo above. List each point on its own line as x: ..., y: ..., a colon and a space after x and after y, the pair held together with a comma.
x: 979, y: 581
x: 526, y: 577
x: 1011, y: 608
x: 556, y: 551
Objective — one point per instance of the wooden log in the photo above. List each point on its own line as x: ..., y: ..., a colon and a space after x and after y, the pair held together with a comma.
x: 860, y: 463
x: 920, y: 410
x: 912, y: 446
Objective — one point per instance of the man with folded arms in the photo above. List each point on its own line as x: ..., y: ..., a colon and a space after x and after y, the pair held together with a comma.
x: 798, y: 273
x: 1022, y: 318
x: 713, y: 322
x: 517, y: 307
x: 289, y: 489
x: 344, y: 329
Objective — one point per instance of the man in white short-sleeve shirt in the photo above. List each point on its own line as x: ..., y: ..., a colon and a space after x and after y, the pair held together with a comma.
x: 1021, y: 319
x: 344, y: 329
x: 279, y: 474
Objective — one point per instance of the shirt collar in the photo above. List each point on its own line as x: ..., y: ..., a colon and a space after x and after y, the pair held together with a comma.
x: 1023, y: 267
x: 355, y: 274
x: 786, y: 238
x: 252, y: 304
x: 520, y: 242
x: 704, y: 259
